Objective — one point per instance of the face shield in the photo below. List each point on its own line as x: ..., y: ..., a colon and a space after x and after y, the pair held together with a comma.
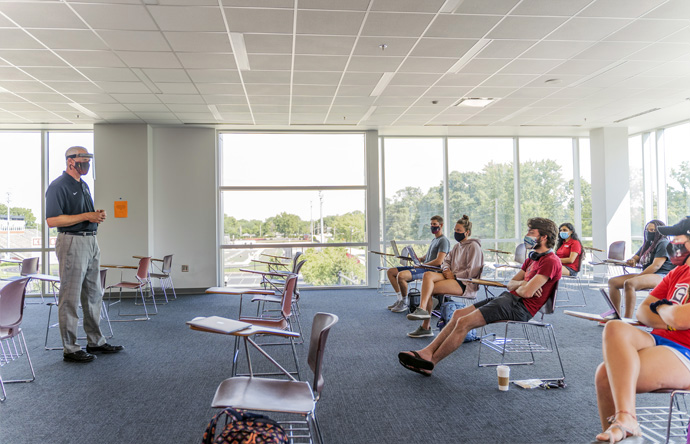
x: 82, y: 163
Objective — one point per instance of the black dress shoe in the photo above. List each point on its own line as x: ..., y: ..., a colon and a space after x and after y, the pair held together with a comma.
x: 105, y: 348
x: 79, y: 356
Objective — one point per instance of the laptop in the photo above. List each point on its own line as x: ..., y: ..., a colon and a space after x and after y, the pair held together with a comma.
x: 218, y: 324
x: 394, y: 245
x: 613, y: 312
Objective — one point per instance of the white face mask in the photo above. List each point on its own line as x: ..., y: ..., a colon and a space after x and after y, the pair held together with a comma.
x: 530, y: 242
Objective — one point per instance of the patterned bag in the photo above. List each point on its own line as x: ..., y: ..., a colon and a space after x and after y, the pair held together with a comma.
x: 245, y: 428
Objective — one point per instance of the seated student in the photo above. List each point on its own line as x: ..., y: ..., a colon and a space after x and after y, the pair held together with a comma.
x: 638, y: 362
x: 528, y: 291
x: 465, y: 260
x: 653, y: 258
x: 569, y: 249
x: 400, y: 276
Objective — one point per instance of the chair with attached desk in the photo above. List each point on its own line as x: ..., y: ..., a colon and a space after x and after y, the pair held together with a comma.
x: 615, y: 258
x: 532, y: 338
x: 138, y: 286
x: 667, y: 424
x: 285, y: 396
x: 165, y: 275
x: 276, y: 265
x: 12, y: 342
x: 572, y: 285
x: 518, y: 259
x: 28, y: 266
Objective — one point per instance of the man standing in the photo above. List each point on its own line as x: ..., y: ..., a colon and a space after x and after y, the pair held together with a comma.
x: 69, y: 207
x: 528, y: 291
x: 400, y: 276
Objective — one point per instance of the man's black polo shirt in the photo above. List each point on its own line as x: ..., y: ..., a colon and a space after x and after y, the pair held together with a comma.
x: 67, y: 196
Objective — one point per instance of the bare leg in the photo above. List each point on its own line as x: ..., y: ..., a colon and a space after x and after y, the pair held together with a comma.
x: 632, y: 364
x: 392, y: 274
x: 404, y: 277
x: 452, y: 336
x: 428, y: 282
x: 445, y: 286
x: 631, y: 286
x: 565, y: 271
x: 615, y: 285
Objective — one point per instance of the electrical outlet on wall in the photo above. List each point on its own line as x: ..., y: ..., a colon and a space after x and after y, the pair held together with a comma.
x: 185, y: 268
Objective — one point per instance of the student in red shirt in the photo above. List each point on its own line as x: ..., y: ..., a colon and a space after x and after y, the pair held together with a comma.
x: 639, y: 362
x: 569, y: 249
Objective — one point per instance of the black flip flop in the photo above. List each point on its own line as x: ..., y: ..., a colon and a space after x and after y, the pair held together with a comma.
x: 415, y: 361
x: 426, y: 373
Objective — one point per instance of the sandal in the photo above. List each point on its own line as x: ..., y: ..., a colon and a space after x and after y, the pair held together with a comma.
x: 625, y: 431
x: 416, y: 370
x: 414, y: 360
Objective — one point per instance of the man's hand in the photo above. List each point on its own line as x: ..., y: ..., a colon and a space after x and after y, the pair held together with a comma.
x: 96, y: 217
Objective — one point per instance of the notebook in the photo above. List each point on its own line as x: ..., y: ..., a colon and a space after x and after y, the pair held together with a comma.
x: 218, y: 324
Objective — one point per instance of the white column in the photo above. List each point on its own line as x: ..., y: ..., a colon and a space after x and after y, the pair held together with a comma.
x: 371, y: 144
x: 610, y: 187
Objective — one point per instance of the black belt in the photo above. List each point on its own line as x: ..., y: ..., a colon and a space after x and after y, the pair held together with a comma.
x: 80, y: 233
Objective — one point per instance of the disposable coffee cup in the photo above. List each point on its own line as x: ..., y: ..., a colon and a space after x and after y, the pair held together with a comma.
x: 503, y: 377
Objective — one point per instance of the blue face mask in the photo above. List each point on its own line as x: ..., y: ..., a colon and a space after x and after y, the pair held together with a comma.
x: 530, y: 242
x: 564, y: 235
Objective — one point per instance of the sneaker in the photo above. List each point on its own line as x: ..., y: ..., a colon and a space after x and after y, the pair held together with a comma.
x: 402, y: 307
x: 394, y: 304
x: 421, y: 333
x: 418, y: 315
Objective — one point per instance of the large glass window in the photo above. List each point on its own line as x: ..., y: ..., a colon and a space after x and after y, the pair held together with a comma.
x: 481, y: 185
x: 585, y: 191
x: 284, y: 193
x: 413, y: 183
x: 637, y: 194
x: 677, y: 148
x: 546, y: 179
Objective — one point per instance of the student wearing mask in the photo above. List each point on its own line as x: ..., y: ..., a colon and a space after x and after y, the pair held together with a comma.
x: 636, y: 361
x: 400, y: 276
x: 527, y: 292
x: 569, y: 249
x: 654, y: 260
x: 465, y: 261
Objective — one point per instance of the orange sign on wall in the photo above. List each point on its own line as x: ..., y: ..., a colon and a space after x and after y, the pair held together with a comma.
x: 120, y: 208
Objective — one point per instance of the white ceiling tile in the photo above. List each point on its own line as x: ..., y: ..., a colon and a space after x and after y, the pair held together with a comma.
x: 396, y: 24
x: 205, y: 2
x: 59, y: 74
x: 188, y: 18
x: 75, y: 87
x: 216, y: 75
x: 448, y: 91
x: 484, y: 66
x: 69, y: 39
x: 269, y: 100
x: 268, y: 43
x: 431, y: 6
x: 483, y: 7
x: 647, y: 30
x: 167, y: 75
x: 17, y: 39
x: 121, y: 17
x: 206, y: 61
x: 158, y: 116
x: 180, y: 98
x: 41, y: 15
x: 313, y: 90
x: 588, y: 29
x: 7, y: 98
x: 529, y: 66
x: 352, y: 5
x: 491, y: 91
x: 95, y: 59
x: 199, y: 41
x: 461, y: 79
x: 531, y: 93
x: 148, y: 107
x: 266, y: 109
x: 403, y: 91
x: 353, y: 91
x: 609, y: 51
x: 109, y: 74
x: 105, y: 107
x: 671, y: 9
x: 21, y: 86
x: 11, y: 73
x: 238, y: 108
x: 374, y: 64
x: 431, y: 47
x: 682, y: 36
x: 662, y: 52
x: 220, y: 88
x: 413, y: 79
x: 462, y: 26
x: 427, y: 65
x: 21, y: 107
x: 554, y: 50
x: 147, y: 59
x: 90, y: 98
x: 135, y: 40
x: 579, y: 67
x: 550, y: 7
x: 328, y: 22
x: 118, y: 116
x: 324, y: 45
x: 680, y: 68
x: 223, y: 99
x: 271, y: 77
x: 563, y: 81
x: 525, y: 27
x: 5, y: 22
x: 515, y: 80
x: 354, y: 101
x: 268, y: 90
x: 320, y: 63
x: 270, y: 21
x: 34, y: 57
x: 311, y: 101
x: 270, y: 62
x: 316, y: 78
x: 137, y: 98
x: 394, y: 101
x: 505, y: 49
x: 644, y: 82
x: 187, y: 108
x: 362, y: 78
x: 124, y: 87
x: 395, y: 46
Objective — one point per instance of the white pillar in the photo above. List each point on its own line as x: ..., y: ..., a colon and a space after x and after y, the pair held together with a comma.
x: 371, y: 144
x: 610, y: 187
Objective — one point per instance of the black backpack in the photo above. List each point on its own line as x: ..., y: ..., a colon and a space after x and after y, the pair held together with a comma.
x: 244, y: 427
x: 414, y: 298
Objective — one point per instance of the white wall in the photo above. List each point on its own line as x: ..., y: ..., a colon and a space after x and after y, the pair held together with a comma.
x: 168, y: 177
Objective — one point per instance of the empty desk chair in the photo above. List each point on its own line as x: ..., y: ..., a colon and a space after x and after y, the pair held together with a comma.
x: 138, y: 286
x: 165, y: 275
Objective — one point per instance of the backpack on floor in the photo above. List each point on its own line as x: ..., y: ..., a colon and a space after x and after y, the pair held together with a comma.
x: 447, y: 310
x: 244, y: 427
x: 414, y: 298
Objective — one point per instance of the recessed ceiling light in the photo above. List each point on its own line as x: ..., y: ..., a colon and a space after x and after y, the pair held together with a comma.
x: 469, y: 55
x: 450, y: 6
x: 239, y: 50
x: 385, y: 79
x: 475, y: 102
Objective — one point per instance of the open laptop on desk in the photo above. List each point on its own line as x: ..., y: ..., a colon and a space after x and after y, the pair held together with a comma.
x: 612, y: 313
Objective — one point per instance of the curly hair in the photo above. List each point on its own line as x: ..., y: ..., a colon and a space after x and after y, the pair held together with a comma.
x: 545, y: 227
